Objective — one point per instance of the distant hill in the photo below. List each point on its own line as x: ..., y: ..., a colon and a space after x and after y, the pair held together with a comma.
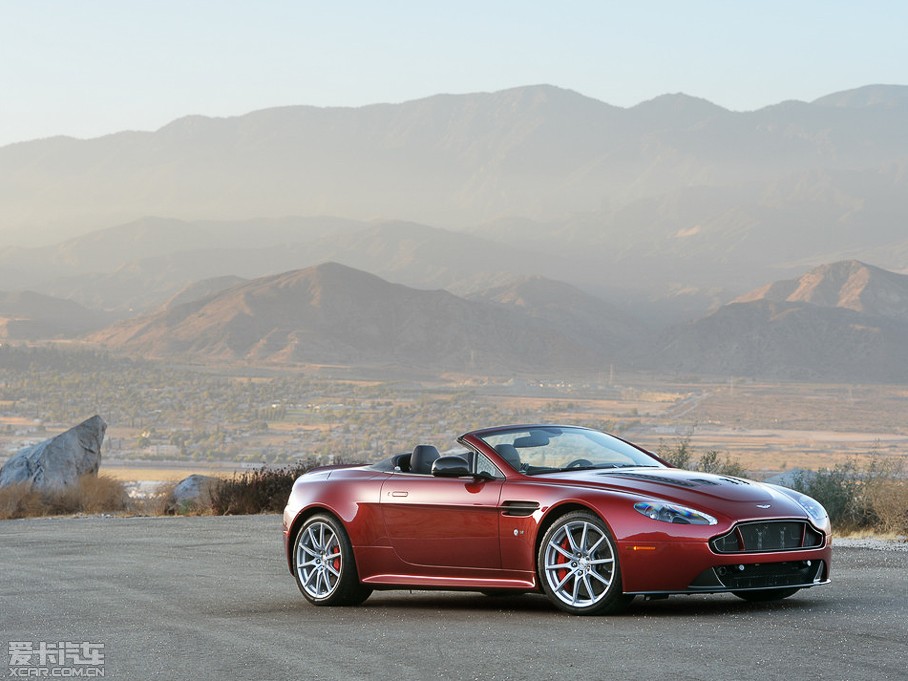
x: 586, y: 319
x: 104, y: 251
x: 203, y: 289
x: 139, y: 274
x: 850, y: 285
x: 869, y: 95
x: 840, y: 322
x: 441, y: 160
x: 333, y: 314
x: 728, y: 238
x: 27, y: 315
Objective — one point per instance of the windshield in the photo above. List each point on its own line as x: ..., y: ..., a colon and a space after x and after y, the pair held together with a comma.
x: 546, y: 449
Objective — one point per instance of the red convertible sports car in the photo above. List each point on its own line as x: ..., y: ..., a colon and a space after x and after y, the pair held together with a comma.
x: 587, y: 518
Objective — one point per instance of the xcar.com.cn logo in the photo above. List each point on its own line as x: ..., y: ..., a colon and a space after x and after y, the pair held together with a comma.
x: 58, y: 659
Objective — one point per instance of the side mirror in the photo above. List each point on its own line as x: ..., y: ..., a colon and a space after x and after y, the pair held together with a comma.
x: 450, y: 467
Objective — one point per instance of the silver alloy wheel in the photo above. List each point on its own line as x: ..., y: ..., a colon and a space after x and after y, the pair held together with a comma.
x: 318, y: 560
x: 579, y: 564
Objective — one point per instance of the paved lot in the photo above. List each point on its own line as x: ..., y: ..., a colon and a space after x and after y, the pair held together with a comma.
x: 210, y: 598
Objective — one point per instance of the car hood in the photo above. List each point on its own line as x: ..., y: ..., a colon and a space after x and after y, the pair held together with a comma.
x: 677, y: 485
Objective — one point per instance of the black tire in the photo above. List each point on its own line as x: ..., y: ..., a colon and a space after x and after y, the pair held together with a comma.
x: 590, y: 581
x: 323, y: 564
x: 765, y: 595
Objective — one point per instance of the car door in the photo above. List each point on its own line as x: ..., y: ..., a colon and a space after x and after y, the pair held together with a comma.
x: 444, y: 522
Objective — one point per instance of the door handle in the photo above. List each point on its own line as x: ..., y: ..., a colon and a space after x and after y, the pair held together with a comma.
x: 398, y: 493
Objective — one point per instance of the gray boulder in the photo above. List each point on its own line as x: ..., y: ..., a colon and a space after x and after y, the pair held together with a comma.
x: 58, y: 462
x: 192, y: 493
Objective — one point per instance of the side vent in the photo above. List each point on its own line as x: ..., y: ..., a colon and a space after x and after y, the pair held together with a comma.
x: 519, y: 509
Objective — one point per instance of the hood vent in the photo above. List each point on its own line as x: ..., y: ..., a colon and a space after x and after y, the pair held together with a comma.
x: 679, y: 481
x: 656, y: 478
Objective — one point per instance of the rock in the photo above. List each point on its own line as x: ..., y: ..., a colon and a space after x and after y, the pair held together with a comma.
x: 58, y: 462
x: 191, y: 493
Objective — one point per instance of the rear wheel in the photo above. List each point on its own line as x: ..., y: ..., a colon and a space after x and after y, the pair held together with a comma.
x: 578, y: 566
x: 765, y: 595
x: 324, y: 566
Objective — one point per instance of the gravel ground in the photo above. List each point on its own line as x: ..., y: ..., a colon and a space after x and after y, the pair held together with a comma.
x: 210, y: 598
x: 900, y: 544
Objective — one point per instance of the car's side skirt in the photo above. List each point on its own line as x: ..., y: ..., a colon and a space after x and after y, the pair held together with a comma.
x: 462, y: 583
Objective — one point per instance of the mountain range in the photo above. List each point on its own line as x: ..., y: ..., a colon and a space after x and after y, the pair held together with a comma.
x: 26, y: 315
x: 848, y: 285
x: 140, y: 265
x: 846, y: 321
x: 333, y: 314
x: 704, y: 201
x: 506, y: 231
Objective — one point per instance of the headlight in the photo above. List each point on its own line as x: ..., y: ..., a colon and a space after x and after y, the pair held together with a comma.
x: 814, y: 508
x: 672, y: 513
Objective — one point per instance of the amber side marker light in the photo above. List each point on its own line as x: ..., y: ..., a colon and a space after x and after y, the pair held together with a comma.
x: 642, y: 548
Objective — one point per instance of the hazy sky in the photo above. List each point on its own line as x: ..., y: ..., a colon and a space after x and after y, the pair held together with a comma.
x: 90, y: 67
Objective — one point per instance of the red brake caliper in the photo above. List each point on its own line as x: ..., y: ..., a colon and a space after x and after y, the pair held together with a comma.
x: 337, y: 562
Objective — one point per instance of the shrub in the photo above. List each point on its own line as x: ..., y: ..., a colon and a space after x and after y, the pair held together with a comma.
x: 839, y: 490
x: 264, y: 490
x: 710, y: 463
x: 889, y: 500
x: 681, y: 455
x: 90, y: 494
x: 886, y: 492
x: 871, y: 497
x: 158, y: 502
x: 19, y: 501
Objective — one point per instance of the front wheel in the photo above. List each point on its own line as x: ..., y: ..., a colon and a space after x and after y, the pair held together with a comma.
x: 765, y: 595
x: 578, y: 566
x: 324, y: 566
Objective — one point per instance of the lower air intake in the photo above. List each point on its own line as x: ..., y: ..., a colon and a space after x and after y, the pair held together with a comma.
x: 770, y: 575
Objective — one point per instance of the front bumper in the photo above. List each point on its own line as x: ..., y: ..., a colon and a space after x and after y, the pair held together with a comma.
x: 679, y: 567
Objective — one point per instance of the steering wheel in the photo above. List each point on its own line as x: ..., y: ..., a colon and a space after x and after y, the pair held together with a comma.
x: 577, y: 463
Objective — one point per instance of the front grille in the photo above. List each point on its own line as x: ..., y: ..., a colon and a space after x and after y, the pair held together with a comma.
x: 761, y: 537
